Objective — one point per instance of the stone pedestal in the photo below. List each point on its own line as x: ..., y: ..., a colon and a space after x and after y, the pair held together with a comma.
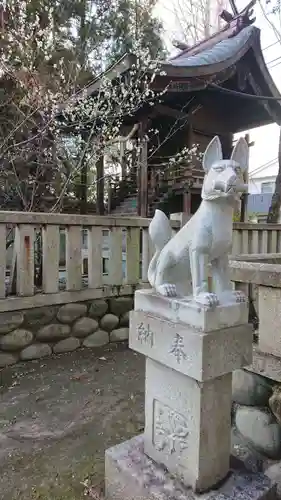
x: 131, y: 475
x: 190, y: 352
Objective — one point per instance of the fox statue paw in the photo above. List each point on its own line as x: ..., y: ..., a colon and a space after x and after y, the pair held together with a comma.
x: 167, y: 290
x: 239, y: 296
x: 233, y: 296
x: 207, y: 299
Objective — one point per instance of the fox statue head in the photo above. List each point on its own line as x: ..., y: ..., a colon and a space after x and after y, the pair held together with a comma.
x: 224, y: 178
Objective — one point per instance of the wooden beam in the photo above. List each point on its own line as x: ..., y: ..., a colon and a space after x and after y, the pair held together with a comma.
x: 174, y: 113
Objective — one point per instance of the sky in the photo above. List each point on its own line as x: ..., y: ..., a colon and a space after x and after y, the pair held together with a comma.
x: 266, y: 138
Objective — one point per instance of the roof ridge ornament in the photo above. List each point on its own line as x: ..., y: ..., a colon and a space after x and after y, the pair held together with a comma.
x: 236, y: 22
x: 244, y: 17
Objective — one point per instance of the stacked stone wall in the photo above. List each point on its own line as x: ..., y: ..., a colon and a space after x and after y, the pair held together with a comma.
x: 39, y: 332
x: 256, y: 412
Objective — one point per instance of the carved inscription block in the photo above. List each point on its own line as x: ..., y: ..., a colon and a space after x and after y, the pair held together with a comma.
x: 145, y: 334
x: 199, y: 355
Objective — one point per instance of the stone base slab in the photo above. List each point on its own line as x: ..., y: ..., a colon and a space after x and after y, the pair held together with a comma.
x: 199, y: 355
x: 187, y: 311
x: 131, y: 475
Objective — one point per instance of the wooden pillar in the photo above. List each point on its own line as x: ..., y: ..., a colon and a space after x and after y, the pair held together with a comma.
x: 244, y: 198
x: 109, y: 196
x: 226, y: 143
x: 187, y: 202
x: 142, y: 180
x: 83, y: 188
x: 123, y: 160
x: 100, y: 186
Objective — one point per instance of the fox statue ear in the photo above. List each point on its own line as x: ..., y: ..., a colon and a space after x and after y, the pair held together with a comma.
x: 240, y: 154
x: 212, y: 154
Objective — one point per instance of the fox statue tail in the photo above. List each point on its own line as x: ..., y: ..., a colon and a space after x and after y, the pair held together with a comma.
x: 160, y: 233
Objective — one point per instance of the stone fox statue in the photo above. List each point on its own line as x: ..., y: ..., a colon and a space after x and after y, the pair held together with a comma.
x: 206, y: 238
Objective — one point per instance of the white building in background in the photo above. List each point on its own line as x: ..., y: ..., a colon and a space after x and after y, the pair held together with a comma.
x: 262, y: 179
x: 261, y: 187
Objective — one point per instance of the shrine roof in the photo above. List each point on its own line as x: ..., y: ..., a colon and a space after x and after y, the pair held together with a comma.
x: 231, y: 58
x: 223, y: 51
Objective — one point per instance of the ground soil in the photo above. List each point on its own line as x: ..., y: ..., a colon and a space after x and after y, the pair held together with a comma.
x: 57, y: 417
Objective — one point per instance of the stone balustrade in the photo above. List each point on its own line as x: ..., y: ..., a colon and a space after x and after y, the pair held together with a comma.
x: 63, y: 279
x: 50, y: 260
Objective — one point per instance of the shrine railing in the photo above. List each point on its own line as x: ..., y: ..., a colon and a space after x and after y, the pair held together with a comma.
x: 249, y: 238
x: 58, y: 258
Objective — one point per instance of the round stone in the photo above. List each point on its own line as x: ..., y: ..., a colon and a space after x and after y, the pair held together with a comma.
x: 98, y: 308
x: 10, y: 321
x: 66, y: 345
x: 16, y: 340
x: 121, y: 305
x: 70, y: 312
x: 119, y: 335
x: 125, y: 319
x: 260, y: 429
x: 109, y: 322
x: 7, y: 359
x: 84, y: 327
x: 53, y: 332
x: 40, y: 316
x: 274, y: 474
x: 275, y: 403
x: 97, y: 339
x: 250, y: 389
x: 35, y: 351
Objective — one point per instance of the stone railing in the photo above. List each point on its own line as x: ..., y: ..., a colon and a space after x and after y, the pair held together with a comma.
x: 259, y: 277
x: 59, y: 258
x: 67, y: 281
x: 249, y: 238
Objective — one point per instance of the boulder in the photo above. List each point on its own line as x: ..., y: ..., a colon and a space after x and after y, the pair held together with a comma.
x: 274, y: 474
x: 275, y: 403
x: 84, y: 327
x: 250, y: 389
x: 119, y: 335
x: 40, y: 316
x: 16, y: 340
x: 109, y: 322
x: 121, y: 305
x: 125, y: 319
x: 97, y: 339
x: 53, y: 332
x: 70, y: 312
x: 10, y: 321
x: 35, y: 351
x: 260, y: 429
x: 7, y: 359
x: 98, y: 308
x: 66, y: 345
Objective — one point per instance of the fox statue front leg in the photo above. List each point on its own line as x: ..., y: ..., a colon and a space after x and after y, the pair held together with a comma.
x: 221, y: 281
x: 199, y: 270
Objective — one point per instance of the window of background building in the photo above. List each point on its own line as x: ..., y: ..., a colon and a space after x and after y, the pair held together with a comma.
x: 267, y: 187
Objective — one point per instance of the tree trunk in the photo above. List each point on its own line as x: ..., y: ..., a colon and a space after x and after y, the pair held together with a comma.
x: 274, y: 209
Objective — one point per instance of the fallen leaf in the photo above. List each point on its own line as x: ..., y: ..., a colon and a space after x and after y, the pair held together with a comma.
x: 81, y: 376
